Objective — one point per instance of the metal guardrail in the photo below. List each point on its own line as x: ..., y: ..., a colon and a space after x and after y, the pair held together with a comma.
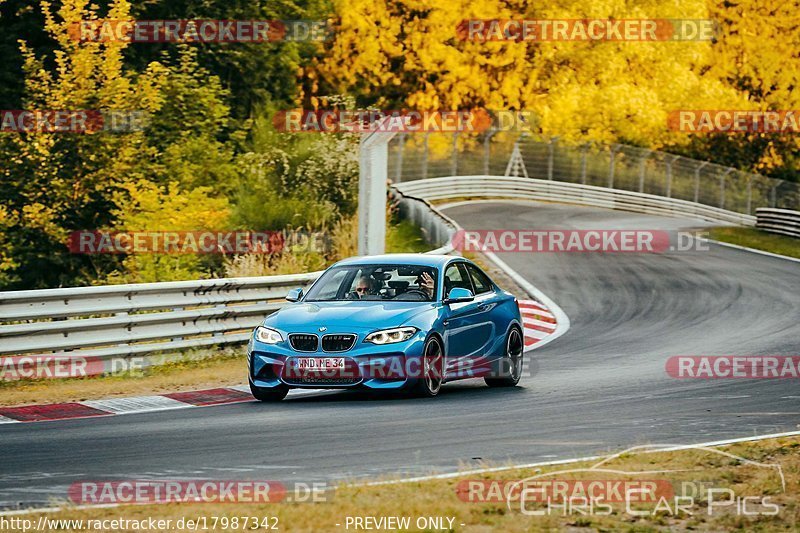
x: 537, y: 189
x: 436, y: 227
x: 782, y: 221
x: 138, y: 319
x: 124, y: 320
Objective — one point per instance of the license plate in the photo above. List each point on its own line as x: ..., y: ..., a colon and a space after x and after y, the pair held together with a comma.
x: 319, y: 363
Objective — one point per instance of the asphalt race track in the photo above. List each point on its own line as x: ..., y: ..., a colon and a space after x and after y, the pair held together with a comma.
x: 601, y: 386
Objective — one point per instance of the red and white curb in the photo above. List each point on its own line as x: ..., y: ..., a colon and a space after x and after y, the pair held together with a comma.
x: 538, y: 322
x: 137, y: 404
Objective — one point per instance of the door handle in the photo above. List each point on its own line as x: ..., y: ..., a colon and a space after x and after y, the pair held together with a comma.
x: 483, y: 307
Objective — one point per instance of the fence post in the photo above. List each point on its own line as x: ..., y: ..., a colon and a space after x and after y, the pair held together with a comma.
x: 642, y: 162
x: 697, y: 181
x: 398, y: 173
x: 669, y: 174
x: 425, y: 157
x: 722, y: 187
x: 749, y: 193
x: 614, y: 149
x: 454, y: 156
x: 584, y: 153
x: 774, y: 196
x: 551, y: 149
x: 486, y: 152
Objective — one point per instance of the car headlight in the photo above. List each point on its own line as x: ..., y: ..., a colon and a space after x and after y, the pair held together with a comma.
x: 389, y: 336
x: 267, y: 335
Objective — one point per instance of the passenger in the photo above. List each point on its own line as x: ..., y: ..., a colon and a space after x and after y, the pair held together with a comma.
x: 426, y: 284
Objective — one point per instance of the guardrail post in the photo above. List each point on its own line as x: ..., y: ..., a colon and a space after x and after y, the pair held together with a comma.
x: 398, y: 173
x: 697, y: 181
x: 584, y: 154
x: 486, y: 152
x: 613, y: 152
x: 454, y: 156
x: 425, y: 157
x: 174, y: 309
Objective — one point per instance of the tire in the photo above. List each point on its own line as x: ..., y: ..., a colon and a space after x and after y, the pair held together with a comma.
x: 511, y: 364
x: 432, y: 368
x: 270, y: 394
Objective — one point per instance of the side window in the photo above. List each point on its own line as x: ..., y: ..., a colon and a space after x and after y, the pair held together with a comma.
x: 456, y: 276
x: 480, y: 280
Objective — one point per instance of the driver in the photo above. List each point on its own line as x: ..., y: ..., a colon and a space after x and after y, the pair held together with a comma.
x: 363, y: 287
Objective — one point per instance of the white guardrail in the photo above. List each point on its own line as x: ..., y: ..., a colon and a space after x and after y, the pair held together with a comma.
x: 138, y: 319
x: 781, y: 221
x: 573, y: 193
x: 125, y: 320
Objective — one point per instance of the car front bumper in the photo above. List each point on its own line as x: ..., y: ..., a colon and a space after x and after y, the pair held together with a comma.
x: 389, y: 366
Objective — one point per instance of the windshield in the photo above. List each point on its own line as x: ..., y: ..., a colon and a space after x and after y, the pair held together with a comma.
x: 408, y: 283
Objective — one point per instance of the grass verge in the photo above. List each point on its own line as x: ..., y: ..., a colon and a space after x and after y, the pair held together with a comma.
x: 760, y: 240
x: 197, y: 369
x: 689, y: 472
x: 404, y: 236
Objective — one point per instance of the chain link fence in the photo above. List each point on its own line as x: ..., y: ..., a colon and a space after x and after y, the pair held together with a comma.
x: 617, y: 166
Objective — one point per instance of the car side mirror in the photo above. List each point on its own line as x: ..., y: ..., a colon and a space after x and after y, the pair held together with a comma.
x: 294, y: 295
x: 459, y: 295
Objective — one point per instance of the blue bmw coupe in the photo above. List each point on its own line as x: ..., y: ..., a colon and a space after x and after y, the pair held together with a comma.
x: 396, y: 321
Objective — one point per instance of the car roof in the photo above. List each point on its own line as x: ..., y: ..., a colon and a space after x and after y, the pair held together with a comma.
x: 431, y: 260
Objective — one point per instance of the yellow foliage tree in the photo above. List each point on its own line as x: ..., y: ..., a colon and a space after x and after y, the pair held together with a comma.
x: 406, y: 52
x: 148, y: 207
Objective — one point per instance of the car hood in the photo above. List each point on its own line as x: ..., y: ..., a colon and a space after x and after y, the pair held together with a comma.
x: 346, y: 315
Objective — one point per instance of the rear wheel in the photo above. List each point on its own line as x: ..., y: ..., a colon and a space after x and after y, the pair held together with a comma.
x: 269, y: 394
x: 432, y: 371
x: 511, y: 365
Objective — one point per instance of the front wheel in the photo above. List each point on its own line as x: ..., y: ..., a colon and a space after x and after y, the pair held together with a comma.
x: 269, y: 394
x: 430, y: 381
x: 511, y: 364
